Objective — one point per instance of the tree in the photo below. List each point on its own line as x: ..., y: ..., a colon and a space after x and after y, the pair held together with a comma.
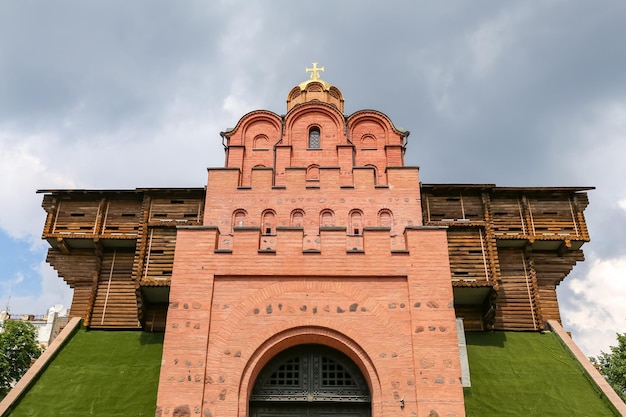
x: 18, y: 347
x: 613, y: 366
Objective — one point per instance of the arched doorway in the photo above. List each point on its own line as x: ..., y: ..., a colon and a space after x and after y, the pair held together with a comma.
x: 310, y: 381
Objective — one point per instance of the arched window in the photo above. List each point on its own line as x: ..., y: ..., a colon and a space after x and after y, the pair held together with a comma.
x: 314, y: 137
x: 327, y: 218
x: 297, y: 218
x: 356, y: 222
x: 239, y: 218
x: 268, y: 222
x: 310, y: 380
x: 313, y: 173
x: 385, y: 218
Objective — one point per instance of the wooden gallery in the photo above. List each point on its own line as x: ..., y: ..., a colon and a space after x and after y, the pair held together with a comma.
x: 315, y: 274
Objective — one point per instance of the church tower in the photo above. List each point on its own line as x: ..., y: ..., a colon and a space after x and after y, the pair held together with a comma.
x: 311, y: 288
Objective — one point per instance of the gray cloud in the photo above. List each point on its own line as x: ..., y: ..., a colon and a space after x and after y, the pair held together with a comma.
x: 516, y: 93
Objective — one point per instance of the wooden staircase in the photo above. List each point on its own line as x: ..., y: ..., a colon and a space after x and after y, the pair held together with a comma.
x: 517, y: 293
x: 115, y: 304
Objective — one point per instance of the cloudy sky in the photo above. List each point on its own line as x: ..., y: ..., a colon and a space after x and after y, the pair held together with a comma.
x: 112, y: 94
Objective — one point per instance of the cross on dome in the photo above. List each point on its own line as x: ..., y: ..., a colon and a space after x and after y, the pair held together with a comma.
x: 315, y: 89
x: 315, y: 71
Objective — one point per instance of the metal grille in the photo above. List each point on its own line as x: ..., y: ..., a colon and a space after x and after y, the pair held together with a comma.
x: 287, y: 374
x: 314, y: 139
x: 333, y: 374
x: 310, y: 374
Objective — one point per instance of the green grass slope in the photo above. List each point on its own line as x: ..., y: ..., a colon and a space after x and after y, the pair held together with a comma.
x: 98, y: 373
x: 528, y: 374
x: 115, y: 373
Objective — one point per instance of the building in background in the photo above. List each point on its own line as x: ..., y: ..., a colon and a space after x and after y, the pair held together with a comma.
x: 315, y: 274
x: 48, y: 326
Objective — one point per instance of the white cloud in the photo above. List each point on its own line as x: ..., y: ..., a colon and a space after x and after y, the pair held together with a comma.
x: 22, y: 171
x: 53, y: 291
x: 140, y: 106
x: 599, y: 310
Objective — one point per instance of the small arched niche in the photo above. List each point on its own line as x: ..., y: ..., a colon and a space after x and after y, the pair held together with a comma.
x: 385, y: 218
x: 327, y: 218
x: 268, y: 222
x: 239, y: 218
x: 261, y: 142
x: 297, y: 218
x: 313, y: 173
x: 356, y: 222
x: 368, y: 142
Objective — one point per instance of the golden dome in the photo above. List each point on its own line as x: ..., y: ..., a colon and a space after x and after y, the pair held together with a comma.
x: 315, y: 89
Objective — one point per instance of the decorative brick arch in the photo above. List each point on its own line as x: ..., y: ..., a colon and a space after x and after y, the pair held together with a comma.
x: 261, y: 141
x: 237, y: 134
x: 373, y: 122
x: 326, y: 117
x: 239, y: 218
x: 313, y: 172
x: 355, y: 222
x: 307, y: 335
x: 385, y: 218
x: 327, y: 218
x: 268, y: 222
x: 368, y: 141
x: 297, y: 218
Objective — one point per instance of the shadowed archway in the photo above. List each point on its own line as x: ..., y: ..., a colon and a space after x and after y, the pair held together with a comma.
x: 310, y: 381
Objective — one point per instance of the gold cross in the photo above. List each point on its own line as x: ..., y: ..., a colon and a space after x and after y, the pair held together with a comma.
x: 314, y: 71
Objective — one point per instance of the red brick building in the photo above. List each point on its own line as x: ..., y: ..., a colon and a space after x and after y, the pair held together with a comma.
x: 315, y: 275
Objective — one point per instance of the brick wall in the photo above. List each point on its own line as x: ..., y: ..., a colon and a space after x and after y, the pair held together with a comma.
x: 303, y: 244
x: 230, y: 312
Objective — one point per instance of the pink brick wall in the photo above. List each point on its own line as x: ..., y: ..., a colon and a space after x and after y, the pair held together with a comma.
x: 382, y: 296
x: 391, y: 313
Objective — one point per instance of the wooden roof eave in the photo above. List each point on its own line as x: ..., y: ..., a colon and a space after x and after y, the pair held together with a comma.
x: 493, y: 187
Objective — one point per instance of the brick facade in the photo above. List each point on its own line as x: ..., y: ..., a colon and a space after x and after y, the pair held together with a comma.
x: 315, y: 233
x: 312, y: 242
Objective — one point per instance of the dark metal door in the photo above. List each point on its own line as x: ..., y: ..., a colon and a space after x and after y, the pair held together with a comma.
x: 310, y: 381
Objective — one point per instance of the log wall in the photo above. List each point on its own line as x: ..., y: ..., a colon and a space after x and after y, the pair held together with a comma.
x: 520, y: 242
x: 108, y: 245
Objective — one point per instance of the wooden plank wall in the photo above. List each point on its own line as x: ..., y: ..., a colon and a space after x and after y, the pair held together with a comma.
x: 455, y: 206
x: 180, y: 210
x: 159, y: 258
x: 76, y: 216
x: 79, y: 270
x: 507, y: 216
x: 122, y: 217
x: 472, y: 317
x: 85, y: 229
x: 551, y: 269
x: 551, y: 217
x: 469, y: 260
x: 527, y: 244
x: 155, y: 316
